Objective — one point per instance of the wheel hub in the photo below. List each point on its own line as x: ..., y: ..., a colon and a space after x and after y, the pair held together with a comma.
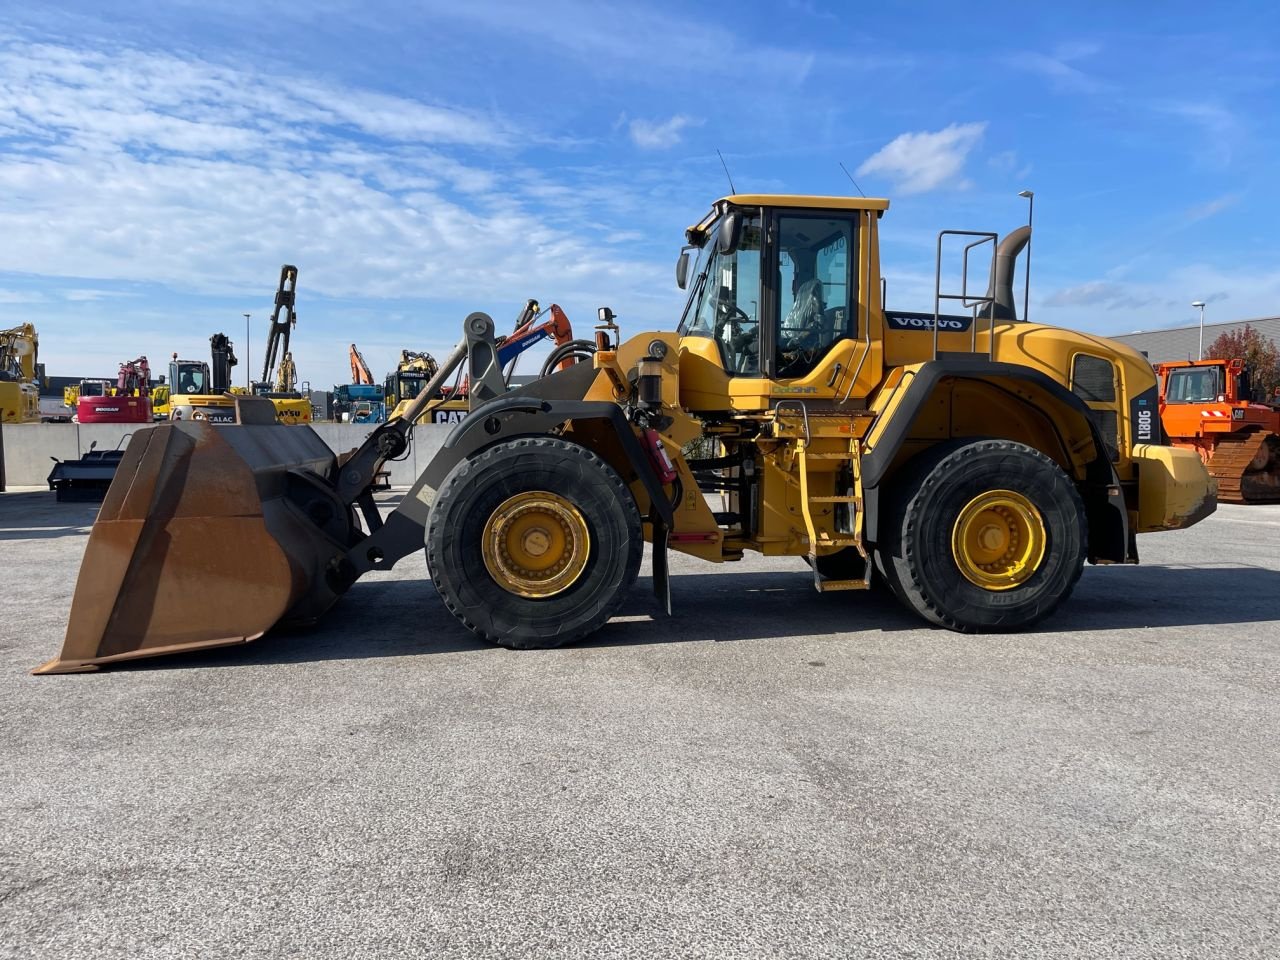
x: 536, y: 544
x: 998, y: 540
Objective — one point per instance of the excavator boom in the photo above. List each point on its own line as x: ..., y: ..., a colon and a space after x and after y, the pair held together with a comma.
x: 360, y: 373
x: 283, y: 320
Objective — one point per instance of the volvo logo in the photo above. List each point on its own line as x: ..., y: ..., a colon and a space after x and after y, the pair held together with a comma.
x: 922, y: 321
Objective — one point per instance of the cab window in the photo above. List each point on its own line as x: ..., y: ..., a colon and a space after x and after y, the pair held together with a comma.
x: 726, y: 302
x: 816, y: 301
x: 1192, y: 385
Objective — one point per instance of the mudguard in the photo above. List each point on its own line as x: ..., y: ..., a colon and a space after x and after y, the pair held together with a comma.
x: 1110, y: 538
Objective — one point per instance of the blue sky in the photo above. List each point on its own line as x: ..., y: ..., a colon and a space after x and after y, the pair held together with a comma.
x: 419, y: 161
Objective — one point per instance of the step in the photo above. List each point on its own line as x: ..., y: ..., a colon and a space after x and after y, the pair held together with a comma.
x: 841, y: 499
x: 828, y: 456
x: 831, y: 586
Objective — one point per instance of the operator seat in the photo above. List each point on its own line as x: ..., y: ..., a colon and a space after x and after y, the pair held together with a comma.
x: 803, y: 323
x: 801, y: 336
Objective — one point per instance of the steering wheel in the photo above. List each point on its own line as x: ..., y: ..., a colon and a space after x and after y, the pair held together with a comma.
x: 740, y: 343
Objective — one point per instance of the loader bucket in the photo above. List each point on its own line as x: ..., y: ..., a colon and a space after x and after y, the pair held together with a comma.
x: 208, y: 536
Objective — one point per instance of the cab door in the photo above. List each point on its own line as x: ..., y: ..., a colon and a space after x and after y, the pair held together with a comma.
x: 815, y: 328
x: 785, y: 314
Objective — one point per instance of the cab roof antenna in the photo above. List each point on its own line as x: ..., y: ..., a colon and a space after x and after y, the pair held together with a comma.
x: 851, y: 180
x: 732, y: 189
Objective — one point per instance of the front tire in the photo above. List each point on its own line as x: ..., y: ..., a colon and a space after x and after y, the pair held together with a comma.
x: 986, y: 535
x: 534, y: 542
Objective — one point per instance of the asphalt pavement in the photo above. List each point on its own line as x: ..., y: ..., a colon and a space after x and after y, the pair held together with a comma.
x: 771, y: 773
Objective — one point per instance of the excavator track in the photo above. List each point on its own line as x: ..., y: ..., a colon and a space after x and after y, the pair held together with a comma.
x: 1247, y: 468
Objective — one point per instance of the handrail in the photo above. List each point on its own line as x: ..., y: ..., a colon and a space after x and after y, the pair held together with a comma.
x: 963, y: 296
x: 865, y: 285
x: 804, y: 412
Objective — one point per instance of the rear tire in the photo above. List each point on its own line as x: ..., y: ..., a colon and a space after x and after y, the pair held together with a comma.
x: 498, y: 598
x: 933, y: 574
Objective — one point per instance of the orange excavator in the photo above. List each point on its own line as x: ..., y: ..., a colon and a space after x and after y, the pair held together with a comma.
x: 360, y: 373
x: 1209, y: 406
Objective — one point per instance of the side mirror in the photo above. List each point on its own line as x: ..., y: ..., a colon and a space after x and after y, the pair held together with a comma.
x: 682, y: 269
x: 729, y: 234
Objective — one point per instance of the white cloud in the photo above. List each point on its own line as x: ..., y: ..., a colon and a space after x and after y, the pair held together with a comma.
x: 1217, y: 128
x: 145, y: 167
x: 134, y: 167
x: 660, y: 135
x: 140, y: 99
x: 1246, y: 291
x: 21, y: 296
x: 1106, y: 295
x: 1061, y: 74
x: 622, y: 36
x: 89, y: 295
x: 1057, y: 67
x: 1203, y: 211
x: 919, y: 162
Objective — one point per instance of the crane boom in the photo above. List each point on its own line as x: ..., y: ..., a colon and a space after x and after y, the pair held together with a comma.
x: 281, y: 325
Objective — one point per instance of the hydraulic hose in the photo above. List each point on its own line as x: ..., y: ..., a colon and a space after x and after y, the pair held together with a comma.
x: 582, y: 349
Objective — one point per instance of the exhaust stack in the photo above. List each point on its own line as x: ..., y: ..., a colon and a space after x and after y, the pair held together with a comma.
x: 1004, y: 306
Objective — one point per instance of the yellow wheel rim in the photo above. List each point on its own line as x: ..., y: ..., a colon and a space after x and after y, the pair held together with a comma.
x: 999, y: 540
x: 536, y: 544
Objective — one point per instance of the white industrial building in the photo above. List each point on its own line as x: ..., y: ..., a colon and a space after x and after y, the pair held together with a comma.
x: 1183, y: 343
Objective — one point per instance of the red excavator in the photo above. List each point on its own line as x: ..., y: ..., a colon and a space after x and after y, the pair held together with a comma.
x: 130, y: 402
x: 1209, y: 406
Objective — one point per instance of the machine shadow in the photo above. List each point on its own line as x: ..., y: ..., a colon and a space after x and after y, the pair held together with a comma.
x: 37, y: 515
x: 1170, y: 595
x: 411, y: 620
x: 406, y: 618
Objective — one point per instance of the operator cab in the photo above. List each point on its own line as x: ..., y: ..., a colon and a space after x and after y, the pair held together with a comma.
x: 775, y: 286
x: 189, y: 377
x: 404, y: 386
x: 1194, y: 385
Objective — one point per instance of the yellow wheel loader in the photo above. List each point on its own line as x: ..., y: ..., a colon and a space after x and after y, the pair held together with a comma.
x: 971, y: 462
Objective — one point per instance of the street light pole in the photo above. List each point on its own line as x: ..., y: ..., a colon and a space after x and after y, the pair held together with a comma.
x: 247, y: 375
x: 1030, y: 196
x: 1200, y: 304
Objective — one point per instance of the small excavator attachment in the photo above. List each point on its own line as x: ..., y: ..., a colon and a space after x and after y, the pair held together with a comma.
x: 208, y: 536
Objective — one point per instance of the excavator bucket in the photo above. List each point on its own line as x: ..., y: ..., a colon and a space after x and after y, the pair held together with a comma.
x: 209, y: 536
